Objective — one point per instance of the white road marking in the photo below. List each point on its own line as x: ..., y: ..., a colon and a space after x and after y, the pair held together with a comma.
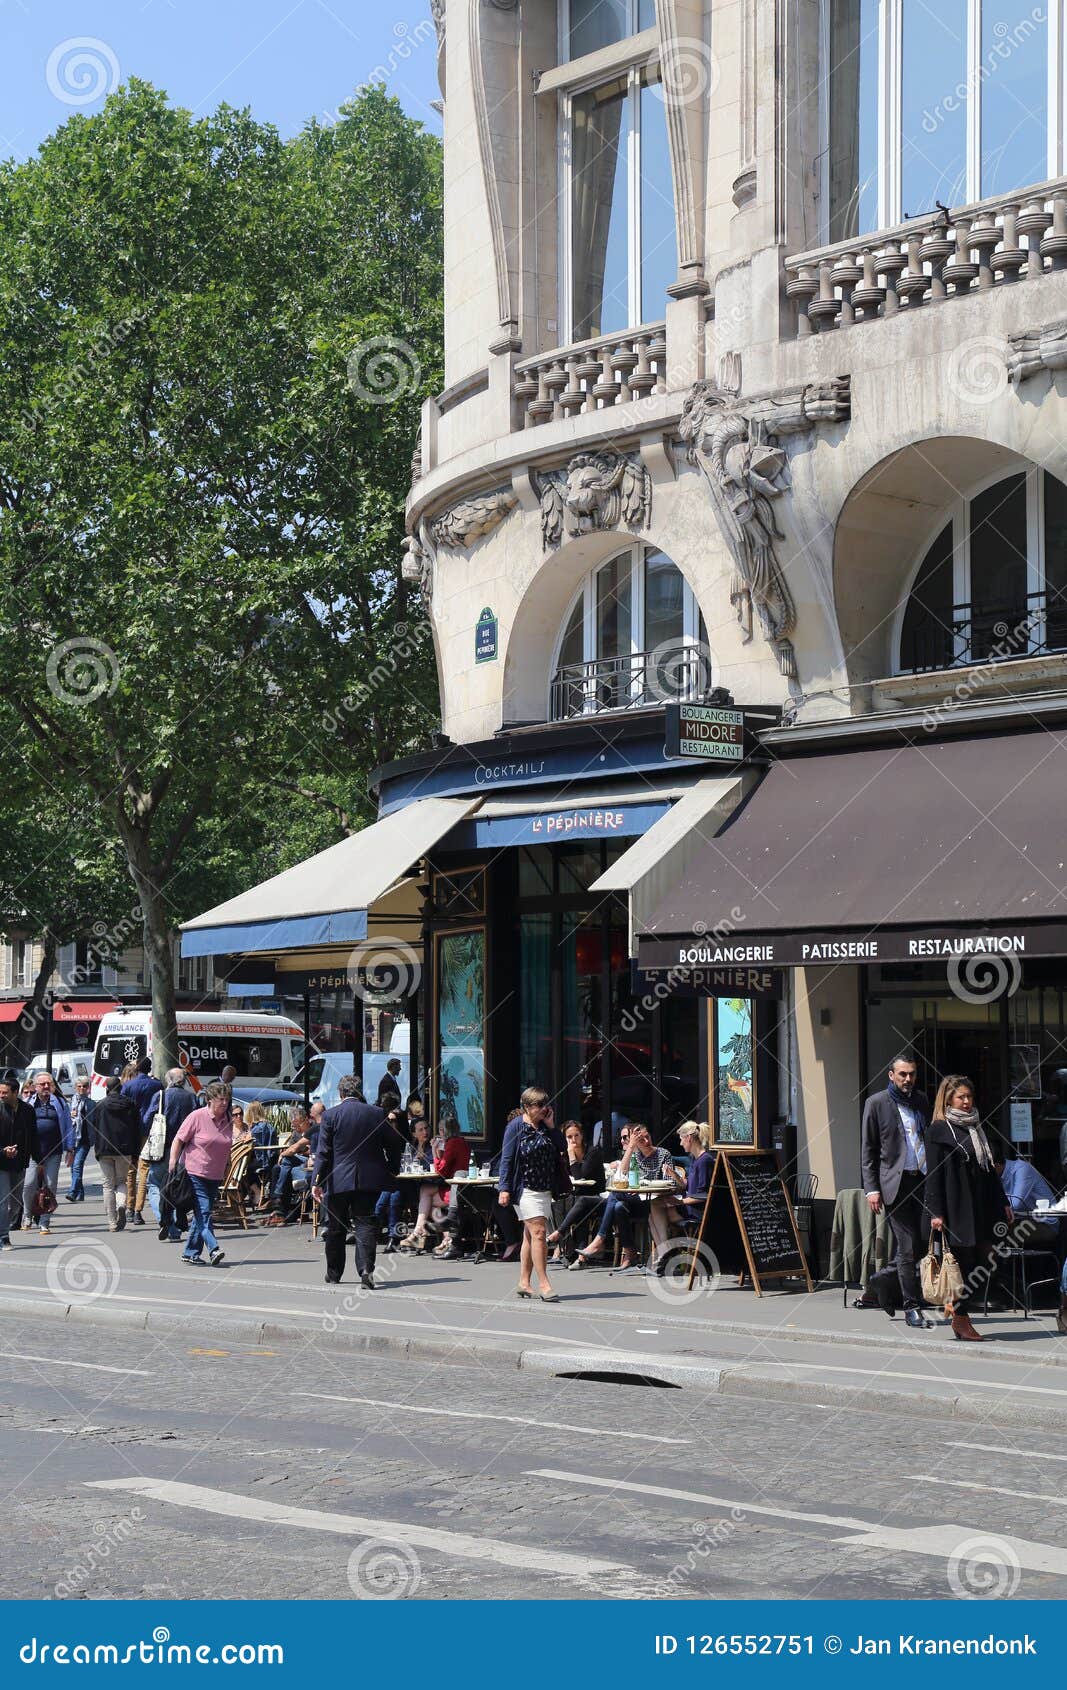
x: 58, y: 1361
x: 511, y: 1419
x: 940, y: 1541
x: 498, y: 1550
x: 999, y: 1449
x: 991, y: 1490
x: 927, y: 1378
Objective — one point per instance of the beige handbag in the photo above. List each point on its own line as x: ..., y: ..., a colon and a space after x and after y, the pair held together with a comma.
x: 940, y: 1277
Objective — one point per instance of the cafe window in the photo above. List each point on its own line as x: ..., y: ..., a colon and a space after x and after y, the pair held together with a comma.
x: 992, y: 583
x: 460, y: 993
x: 734, y: 1078
x: 953, y: 103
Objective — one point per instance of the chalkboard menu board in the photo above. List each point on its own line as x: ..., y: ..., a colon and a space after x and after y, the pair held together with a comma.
x: 759, y: 1217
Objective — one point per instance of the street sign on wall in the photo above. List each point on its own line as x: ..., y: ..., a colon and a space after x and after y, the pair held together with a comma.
x: 485, y: 637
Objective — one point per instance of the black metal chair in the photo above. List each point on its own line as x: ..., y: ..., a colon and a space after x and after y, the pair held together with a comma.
x: 1016, y: 1257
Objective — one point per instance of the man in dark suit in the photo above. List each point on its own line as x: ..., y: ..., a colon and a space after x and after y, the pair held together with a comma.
x: 893, y: 1156
x: 359, y: 1154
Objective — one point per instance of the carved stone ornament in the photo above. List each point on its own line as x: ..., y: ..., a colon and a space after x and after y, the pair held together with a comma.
x: 596, y: 490
x: 473, y: 517
x: 417, y: 568
x: 437, y: 13
x: 734, y: 442
x: 1037, y: 349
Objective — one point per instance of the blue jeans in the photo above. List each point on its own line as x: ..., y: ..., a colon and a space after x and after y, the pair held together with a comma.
x: 390, y: 1207
x: 205, y: 1192
x: 50, y: 1164
x: 77, y: 1189
x: 620, y: 1212
x: 157, y: 1173
x: 281, y: 1184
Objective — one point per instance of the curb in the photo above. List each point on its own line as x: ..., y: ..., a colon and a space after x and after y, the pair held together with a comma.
x: 717, y: 1377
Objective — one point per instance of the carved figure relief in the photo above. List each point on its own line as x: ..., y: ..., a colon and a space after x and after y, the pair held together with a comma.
x: 735, y: 444
x: 417, y: 568
x: 473, y: 517
x: 1037, y: 349
x: 596, y: 490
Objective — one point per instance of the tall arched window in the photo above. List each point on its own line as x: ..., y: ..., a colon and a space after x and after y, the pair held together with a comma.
x: 992, y: 583
x: 633, y: 636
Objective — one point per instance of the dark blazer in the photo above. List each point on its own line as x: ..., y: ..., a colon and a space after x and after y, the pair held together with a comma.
x: 883, y: 1146
x: 117, y: 1127
x: 178, y: 1102
x: 591, y: 1166
x: 18, y: 1126
x: 358, y: 1149
x: 511, y: 1179
x: 969, y: 1199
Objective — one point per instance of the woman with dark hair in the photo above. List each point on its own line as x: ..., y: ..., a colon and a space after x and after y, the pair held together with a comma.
x: 452, y: 1156
x: 964, y: 1197
x: 532, y: 1173
x: 585, y: 1162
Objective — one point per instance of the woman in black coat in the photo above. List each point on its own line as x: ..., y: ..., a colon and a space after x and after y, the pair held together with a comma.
x: 584, y: 1163
x: 118, y: 1133
x: 964, y: 1196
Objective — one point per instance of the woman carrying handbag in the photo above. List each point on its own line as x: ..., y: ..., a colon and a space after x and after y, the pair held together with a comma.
x: 964, y: 1196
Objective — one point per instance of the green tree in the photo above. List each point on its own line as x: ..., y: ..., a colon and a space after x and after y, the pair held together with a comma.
x: 200, y: 495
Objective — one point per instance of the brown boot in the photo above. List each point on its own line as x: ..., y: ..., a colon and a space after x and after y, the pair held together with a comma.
x: 962, y: 1328
x: 1061, y: 1318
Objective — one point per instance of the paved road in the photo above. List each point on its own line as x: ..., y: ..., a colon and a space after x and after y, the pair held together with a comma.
x: 135, y: 1466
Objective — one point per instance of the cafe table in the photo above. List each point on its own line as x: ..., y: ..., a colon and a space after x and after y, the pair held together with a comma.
x: 462, y: 1190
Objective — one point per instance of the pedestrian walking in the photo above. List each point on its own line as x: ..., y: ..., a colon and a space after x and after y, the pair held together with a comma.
x: 358, y: 1158
x: 116, y: 1140
x: 145, y: 1090
x: 82, y: 1109
x: 179, y: 1101
x: 532, y: 1173
x: 965, y: 1198
x: 893, y: 1155
x: 205, y: 1138
x: 18, y: 1148
x: 55, y: 1136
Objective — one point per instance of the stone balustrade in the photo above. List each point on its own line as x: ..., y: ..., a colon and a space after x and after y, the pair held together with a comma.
x: 592, y: 375
x: 930, y: 258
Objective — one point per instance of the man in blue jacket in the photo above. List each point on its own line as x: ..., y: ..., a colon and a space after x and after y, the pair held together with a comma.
x: 55, y: 1135
x: 144, y: 1089
x: 358, y: 1157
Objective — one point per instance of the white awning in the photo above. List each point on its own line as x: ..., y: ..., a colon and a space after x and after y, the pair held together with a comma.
x: 326, y: 900
x: 659, y: 859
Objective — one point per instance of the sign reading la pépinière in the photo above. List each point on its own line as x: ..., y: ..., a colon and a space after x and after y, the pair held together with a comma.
x: 708, y: 731
x: 485, y: 637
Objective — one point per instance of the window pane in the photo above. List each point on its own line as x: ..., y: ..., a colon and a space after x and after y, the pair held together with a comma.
x: 460, y: 1029
x: 853, y: 137
x: 926, y: 640
x: 599, y: 23
x: 664, y: 592
x: 613, y: 619
x: 998, y: 568
x: 1055, y: 563
x: 934, y: 106
x: 646, y: 13
x: 1014, y: 84
x: 659, y: 241
x: 734, y: 1080
x: 600, y: 138
x: 571, y: 650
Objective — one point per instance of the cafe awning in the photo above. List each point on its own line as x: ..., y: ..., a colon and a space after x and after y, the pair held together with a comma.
x: 953, y: 847
x: 327, y: 899
x: 660, y: 858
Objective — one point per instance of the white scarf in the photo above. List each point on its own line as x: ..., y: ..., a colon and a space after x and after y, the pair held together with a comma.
x: 968, y: 1120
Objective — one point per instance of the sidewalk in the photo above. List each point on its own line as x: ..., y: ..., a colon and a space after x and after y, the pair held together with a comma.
x: 726, y: 1341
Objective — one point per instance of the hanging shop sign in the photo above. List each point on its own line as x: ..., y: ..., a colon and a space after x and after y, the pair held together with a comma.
x: 485, y: 637
x: 553, y: 827
x: 710, y: 982
x: 707, y: 731
x: 998, y: 948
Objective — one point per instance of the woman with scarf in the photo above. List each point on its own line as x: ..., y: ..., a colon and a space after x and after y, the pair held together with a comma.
x: 964, y: 1197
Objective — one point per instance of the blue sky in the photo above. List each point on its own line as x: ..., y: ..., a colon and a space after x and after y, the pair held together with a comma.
x: 287, y: 59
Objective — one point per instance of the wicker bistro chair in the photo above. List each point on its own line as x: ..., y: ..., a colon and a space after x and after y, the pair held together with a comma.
x: 230, y: 1203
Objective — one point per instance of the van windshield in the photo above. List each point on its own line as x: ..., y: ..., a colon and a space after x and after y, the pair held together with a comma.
x: 115, y: 1050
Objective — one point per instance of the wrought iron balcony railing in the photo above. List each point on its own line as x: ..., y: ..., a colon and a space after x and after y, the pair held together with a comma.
x: 1034, y: 625
x: 667, y: 675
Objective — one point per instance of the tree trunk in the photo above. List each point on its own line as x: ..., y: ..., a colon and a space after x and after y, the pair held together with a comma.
x: 31, y: 1021
x: 158, y: 950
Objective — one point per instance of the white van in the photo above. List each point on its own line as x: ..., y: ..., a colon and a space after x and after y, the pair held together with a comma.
x: 67, y: 1066
x: 266, y: 1050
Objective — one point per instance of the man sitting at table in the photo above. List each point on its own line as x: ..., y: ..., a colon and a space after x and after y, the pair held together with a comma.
x: 292, y: 1161
x: 653, y: 1162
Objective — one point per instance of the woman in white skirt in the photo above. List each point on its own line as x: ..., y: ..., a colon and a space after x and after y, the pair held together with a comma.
x: 532, y: 1172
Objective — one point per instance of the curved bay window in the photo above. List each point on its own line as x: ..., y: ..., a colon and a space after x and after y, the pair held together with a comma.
x: 953, y: 103
x: 633, y: 636
x: 993, y: 582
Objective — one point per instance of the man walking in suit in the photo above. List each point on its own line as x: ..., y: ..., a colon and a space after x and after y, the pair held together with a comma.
x: 359, y: 1154
x: 893, y: 1155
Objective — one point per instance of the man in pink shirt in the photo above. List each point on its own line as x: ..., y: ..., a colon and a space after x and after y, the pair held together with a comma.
x: 206, y: 1138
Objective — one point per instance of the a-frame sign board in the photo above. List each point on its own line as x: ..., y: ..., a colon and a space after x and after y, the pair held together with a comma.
x: 751, y: 1212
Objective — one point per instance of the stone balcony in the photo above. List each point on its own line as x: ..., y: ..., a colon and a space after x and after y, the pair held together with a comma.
x: 591, y: 375
x: 944, y: 255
